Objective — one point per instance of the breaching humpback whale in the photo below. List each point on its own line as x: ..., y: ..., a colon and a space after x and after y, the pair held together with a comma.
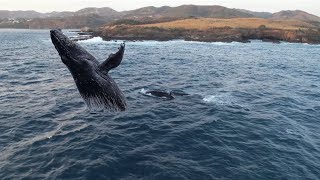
x: 97, y: 88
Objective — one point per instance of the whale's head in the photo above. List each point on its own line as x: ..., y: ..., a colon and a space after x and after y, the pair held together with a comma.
x: 96, y: 87
x: 71, y: 53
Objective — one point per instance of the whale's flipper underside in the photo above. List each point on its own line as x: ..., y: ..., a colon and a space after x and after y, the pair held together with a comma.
x: 113, y: 60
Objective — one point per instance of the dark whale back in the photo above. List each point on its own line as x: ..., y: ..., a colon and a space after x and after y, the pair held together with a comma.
x: 97, y: 88
x: 178, y: 93
x: 165, y: 95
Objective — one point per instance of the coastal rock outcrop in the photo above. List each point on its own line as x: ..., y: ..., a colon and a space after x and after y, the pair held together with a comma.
x: 225, y: 34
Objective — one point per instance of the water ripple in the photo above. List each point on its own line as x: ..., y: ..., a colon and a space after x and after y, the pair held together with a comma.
x: 252, y: 112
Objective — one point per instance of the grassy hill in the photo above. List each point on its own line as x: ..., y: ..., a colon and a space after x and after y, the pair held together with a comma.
x: 249, y: 23
x: 215, y: 30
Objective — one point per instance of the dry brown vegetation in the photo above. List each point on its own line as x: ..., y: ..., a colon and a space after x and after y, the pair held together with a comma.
x: 217, y: 30
x: 248, y: 23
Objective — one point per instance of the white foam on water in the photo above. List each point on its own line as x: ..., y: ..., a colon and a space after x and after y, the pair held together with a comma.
x: 99, y: 40
x: 210, y: 98
x: 218, y: 99
x: 224, y: 43
x: 93, y: 40
x: 146, y: 43
x: 143, y: 91
x: 306, y: 44
x: 180, y: 41
x: 289, y: 43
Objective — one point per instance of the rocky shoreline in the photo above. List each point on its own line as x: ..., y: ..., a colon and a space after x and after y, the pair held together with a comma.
x: 226, y: 34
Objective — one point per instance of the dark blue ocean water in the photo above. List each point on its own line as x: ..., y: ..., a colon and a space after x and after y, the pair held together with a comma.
x: 253, y: 112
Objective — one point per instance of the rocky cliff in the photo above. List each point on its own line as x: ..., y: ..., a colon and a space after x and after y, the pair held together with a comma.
x: 226, y: 34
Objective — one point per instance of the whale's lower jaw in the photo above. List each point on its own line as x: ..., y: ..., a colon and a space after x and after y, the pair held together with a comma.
x: 99, y: 102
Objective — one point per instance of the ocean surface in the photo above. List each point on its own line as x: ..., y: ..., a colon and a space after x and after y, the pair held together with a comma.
x: 253, y: 112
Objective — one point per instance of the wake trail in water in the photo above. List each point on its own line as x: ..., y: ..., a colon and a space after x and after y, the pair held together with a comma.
x: 63, y: 129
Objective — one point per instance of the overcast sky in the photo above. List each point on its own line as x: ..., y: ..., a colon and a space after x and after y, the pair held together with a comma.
x: 311, y: 6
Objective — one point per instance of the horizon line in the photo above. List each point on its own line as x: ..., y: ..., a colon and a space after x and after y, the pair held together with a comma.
x: 45, y: 12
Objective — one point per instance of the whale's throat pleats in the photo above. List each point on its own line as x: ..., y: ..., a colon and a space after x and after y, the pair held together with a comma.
x: 101, y: 101
x: 99, y: 95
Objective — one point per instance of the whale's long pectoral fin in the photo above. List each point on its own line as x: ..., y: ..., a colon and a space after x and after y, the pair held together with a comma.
x: 113, y: 60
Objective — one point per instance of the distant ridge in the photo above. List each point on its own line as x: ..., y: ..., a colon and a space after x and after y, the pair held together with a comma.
x: 165, y: 11
x: 185, y: 11
x: 95, y: 17
x: 105, y: 11
x: 214, y: 11
x: 295, y: 15
x: 264, y: 15
x: 19, y: 14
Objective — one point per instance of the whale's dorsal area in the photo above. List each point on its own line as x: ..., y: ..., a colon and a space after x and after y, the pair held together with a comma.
x: 97, y: 88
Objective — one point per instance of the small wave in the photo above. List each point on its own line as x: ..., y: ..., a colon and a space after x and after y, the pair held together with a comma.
x: 93, y: 40
x: 143, y: 91
x: 213, y: 43
x: 210, y: 98
x: 224, y: 43
x: 178, y: 41
x: 202, y: 42
x: 306, y: 44
x: 217, y: 99
x: 146, y: 42
x: 99, y: 40
x: 291, y: 132
x: 294, y: 44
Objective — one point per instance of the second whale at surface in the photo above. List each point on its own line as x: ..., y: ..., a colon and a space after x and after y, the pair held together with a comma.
x: 163, y: 94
